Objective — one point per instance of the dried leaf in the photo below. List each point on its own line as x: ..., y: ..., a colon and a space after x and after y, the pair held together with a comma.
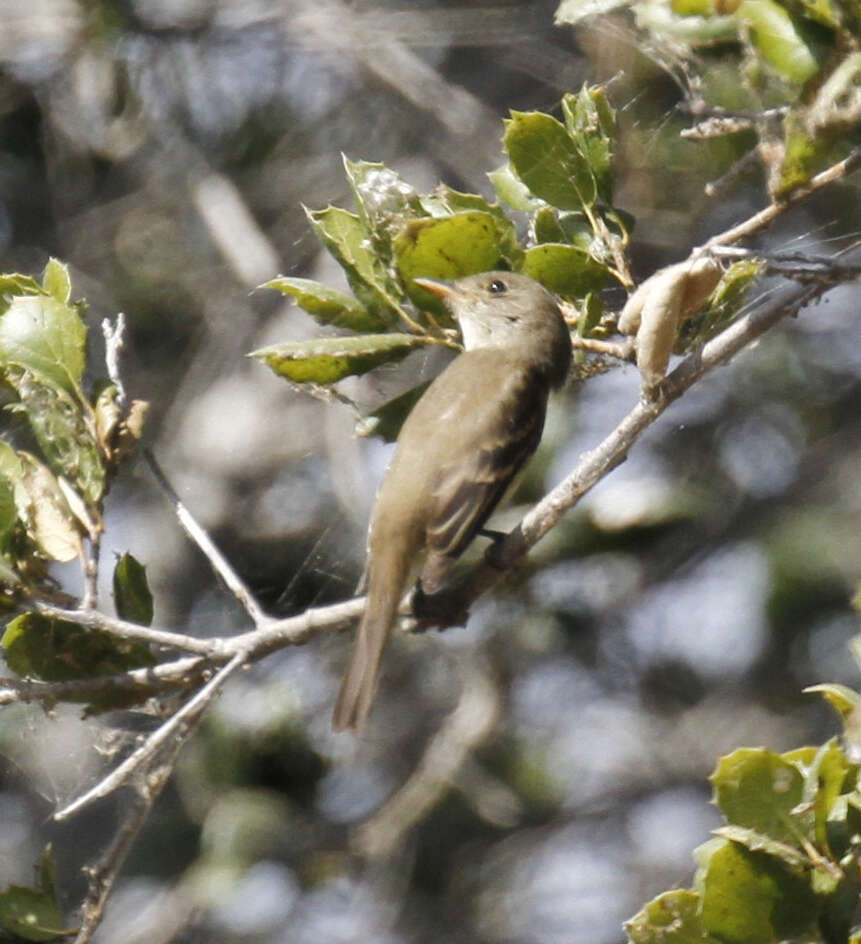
x: 658, y: 307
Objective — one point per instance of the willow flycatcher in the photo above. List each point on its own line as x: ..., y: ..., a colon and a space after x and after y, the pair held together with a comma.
x: 458, y: 451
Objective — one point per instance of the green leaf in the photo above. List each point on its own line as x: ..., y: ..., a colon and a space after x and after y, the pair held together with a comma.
x: 671, y: 918
x: 550, y: 227
x: 791, y: 856
x: 8, y: 513
x: 327, y: 360
x: 46, y: 873
x: 816, y: 135
x: 511, y: 190
x: 62, y: 433
x: 548, y: 161
x: 31, y: 915
x: 107, y: 414
x: 749, y: 897
x: 693, y: 7
x: 660, y: 20
x: 56, y: 281
x: 12, y: 468
x: 840, y: 906
x: 823, y: 12
x: 447, y: 248
x: 777, y: 38
x: 591, y: 312
x: 758, y: 789
x: 803, y: 153
x: 14, y: 284
x: 591, y: 122
x: 445, y: 201
x: 327, y: 305
x: 347, y: 239
x: 386, y: 421
x: 58, y: 651
x: 132, y: 596
x: 619, y: 222
x: 725, y: 305
x: 46, y: 337
x: 566, y: 270
x: 842, y: 699
x: 828, y: 777
x: 546, y: 228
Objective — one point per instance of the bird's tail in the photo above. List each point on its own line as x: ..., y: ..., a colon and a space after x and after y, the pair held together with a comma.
x: 387, y: 580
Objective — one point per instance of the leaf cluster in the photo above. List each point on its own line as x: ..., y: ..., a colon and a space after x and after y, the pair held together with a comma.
x: 50, y: 497
x: 785, y: 865
x: 558, y: 174
x: 558, y: 179
x: 53, y: 481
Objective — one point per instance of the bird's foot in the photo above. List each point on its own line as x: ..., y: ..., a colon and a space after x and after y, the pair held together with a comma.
x: 439, y: 607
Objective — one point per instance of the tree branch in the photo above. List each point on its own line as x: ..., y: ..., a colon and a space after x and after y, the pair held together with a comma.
x: 766, y: 216
x: 217, y: 560
x: 180, y: 726
x: 95, y: 619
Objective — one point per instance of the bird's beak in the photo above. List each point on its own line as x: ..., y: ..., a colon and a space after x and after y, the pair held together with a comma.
x: 442, y: 290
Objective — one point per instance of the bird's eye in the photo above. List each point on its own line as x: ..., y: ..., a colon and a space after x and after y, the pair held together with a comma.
x: 497, y: 287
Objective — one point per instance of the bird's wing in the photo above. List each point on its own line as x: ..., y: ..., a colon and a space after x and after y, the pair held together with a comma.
x: 499, y: 438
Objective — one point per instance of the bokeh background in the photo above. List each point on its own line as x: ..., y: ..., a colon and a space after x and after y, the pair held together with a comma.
x: 163, y: 148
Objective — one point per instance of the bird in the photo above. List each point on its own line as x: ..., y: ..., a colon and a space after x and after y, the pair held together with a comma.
x: 457, y: 453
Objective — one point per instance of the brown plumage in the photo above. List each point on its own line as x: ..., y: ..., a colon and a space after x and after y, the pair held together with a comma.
x: 457, y: 453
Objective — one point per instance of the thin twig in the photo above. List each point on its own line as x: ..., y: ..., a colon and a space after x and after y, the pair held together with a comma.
x: 596, y: 463
x: 103, y: 875
x: 90, y: 568
x: 766, y: 216
x: 257, y: 643
x: 95, y: 619
x: 621, y: 350
x: 147, y: 681
x: 217, y: 560
x: 187, y: 715
x: 114, y: 343
x: 796, y: 265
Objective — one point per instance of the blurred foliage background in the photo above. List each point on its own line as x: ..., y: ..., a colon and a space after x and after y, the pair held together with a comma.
x: 163, y: 148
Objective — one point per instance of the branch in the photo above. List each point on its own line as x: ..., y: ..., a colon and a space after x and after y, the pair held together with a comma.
x: 181, y: 672
x: 114, y: 336
x: 101, y: 877
x: 179, y: 726
x: 217, y: 560
x: 95, y: 619
x: 270, y: 634
x: 769, y: 214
